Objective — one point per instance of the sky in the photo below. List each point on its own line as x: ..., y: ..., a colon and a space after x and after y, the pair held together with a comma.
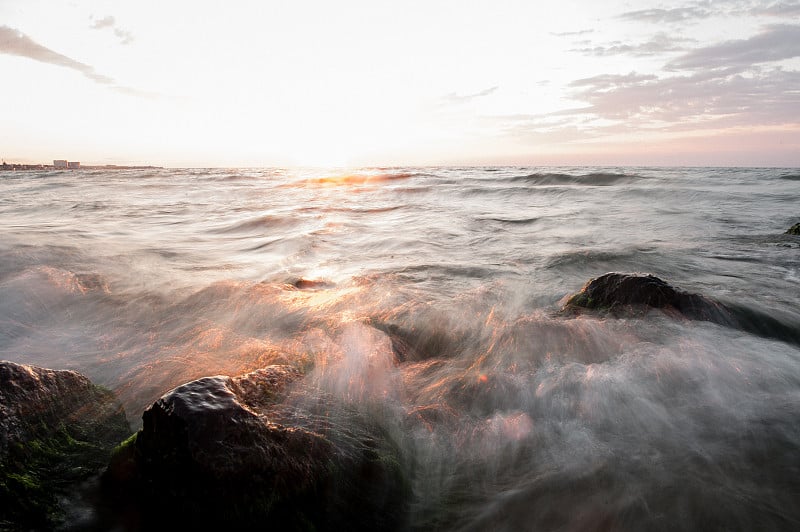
x: 371, y: 82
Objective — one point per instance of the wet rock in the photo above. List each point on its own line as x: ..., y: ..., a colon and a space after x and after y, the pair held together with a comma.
x: 57, y: 430
x: 794, y: 230
x: 620, y: 289
x: 235, y: 452
x: 630, y: 294
x: 312, y: 284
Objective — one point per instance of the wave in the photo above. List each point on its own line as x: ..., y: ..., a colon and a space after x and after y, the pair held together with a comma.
x: 360, y: 178
x: 265, y: 245
x: 591, y: 179
x: 504, y: 192
x: 258, y: 223
x: 443, y: 271
x: 596, y: 258
x: 364, y: 210
x: 91, y: 206
x: 510, y: 221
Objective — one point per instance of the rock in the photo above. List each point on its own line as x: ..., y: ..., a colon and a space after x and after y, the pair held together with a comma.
x: 632, y: 293
x: 312, y: 284
x: 614, y: 290
x: 794, y: 230
x: 234, y: 452
x: 57, y: 430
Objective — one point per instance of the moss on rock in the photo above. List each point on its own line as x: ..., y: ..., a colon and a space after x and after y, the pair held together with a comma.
x: 57, y: 430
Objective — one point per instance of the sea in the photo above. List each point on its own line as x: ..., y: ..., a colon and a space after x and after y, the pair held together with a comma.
x: 516, y: 414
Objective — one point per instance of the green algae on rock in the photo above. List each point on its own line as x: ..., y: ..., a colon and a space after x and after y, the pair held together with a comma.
x: 57, y: 429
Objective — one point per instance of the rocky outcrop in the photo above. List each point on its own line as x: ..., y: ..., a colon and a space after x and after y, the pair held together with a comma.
x: 630, y: 294
x: 794, y: 230
x: 57, y: 429
x: 237, y: 452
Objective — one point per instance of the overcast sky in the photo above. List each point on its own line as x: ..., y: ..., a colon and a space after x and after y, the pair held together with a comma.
x: 352, y: 82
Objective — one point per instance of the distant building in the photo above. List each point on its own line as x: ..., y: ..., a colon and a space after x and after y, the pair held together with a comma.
x: 74, y: 164
x: 60, y: 163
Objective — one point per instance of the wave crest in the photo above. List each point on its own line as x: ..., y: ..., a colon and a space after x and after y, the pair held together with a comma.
x: 592, y: 179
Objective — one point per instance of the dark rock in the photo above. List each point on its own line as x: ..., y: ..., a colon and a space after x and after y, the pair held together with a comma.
x: 233, y: 452
x: 626, y: 293
x: 312, y: 284
x: 614, y: 290
x: 57, y: 430
x: 794, y: 230
x: 632, y: 293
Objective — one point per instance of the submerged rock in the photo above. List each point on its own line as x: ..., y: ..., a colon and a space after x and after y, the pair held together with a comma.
x: 312, y: 284
x: 230, y: 451
x: 794, y: 230
x: 57, y: 429
x: 631, y: 293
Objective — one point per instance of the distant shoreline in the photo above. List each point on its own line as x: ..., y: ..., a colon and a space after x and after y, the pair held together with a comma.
x: 19, y: 166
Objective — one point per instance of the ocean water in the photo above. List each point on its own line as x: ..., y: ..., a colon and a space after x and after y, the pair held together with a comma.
x: 515, y: 415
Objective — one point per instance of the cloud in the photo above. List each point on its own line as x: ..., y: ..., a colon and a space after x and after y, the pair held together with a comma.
x: 702, y: 9
x: 673, y: 107
x: 776, y: 43
x: 778, y: 9
x: 659, y: 44
x: 571, y: 33
x: 14, y: 42
x: 109, y: 22
x: 129, y: 91
x: 667, y: 16
x: 724, y: 85
x: 606, y: 81
x: 744, y: 86
x: 457, y: 98
x: 762, y: 97
x: 125, y: 37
